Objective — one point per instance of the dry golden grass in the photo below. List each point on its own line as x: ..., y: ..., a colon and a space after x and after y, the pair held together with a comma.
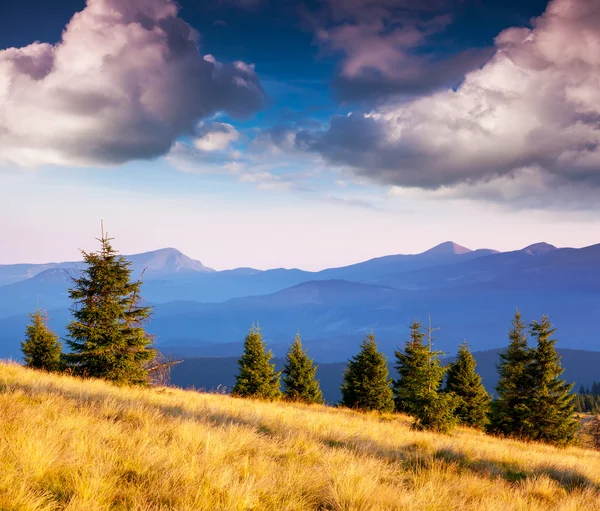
x: 86, y: 445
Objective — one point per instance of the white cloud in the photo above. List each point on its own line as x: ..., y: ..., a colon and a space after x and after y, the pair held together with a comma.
x: 534, y: 105
x: 215, y: 136
x: 125, y: 81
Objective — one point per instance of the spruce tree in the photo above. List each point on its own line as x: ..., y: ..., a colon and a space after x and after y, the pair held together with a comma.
x: 551, y: 402
x: 299, y: 372
x: 410, y: 365
x: 41, y: 349
x: 257, y: 376
x: 510, y: 410
x: 366, y: 384
x: 106, y: 336
x: 418, y: 388
x: 462, y: 380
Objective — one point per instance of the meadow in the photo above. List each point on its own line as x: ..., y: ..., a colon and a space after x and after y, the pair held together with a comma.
x: 83, y: 445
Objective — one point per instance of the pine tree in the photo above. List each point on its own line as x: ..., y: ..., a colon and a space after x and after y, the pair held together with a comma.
x: 465, y: 384
x: 510, y: 410
x: 417, y: 390
x: 410, y: 365
x: 257, y: 376
x: 366, y: 384
x: 106, y: 336
x: 41, y: 349
x: 299, y: 372
x: 552, y: 408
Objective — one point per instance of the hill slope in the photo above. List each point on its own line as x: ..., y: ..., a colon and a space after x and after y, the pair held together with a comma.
x: 70, y: 444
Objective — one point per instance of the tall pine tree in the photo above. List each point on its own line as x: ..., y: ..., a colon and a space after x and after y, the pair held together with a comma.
x: 257, y: 376
x: 551, y: 403
x: 299, y: 372
x: 106, y: 336
x: 462, y: 381
x: 418, y: 387
x: 510, y: 410
x: 41, y: 349
x: 366, y: 384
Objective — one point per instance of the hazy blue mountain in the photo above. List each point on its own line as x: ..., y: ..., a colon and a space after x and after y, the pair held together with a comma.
x: 537, y: 266
x: 443, y: 254
x: 47, y: 289
x: 166, y: 262
x: 169, y: 275
x: 470, y: 299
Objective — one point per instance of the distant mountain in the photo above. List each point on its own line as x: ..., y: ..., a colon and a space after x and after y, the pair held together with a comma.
x: 539, y: 249
x: 469, y: 294
x: 537, y: 266
x: 166, y: 262
x: 158, y: 263
x: 12, y: 273
x: 47, y: 289
x: 446, y: 253
x: 170, y: 275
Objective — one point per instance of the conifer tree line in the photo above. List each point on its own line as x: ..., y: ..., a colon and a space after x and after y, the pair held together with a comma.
x: 106, y: 335
x: 532, y: 402
x: 587, y: 400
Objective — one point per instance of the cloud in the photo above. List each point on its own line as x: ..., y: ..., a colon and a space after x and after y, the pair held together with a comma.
x: 126, y: 80
x: 215, y: 136
x: 386, y: 47
x: 534, y: 105
x: 266, y: 160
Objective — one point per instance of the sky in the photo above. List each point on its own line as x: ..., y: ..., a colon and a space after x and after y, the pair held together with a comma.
x: 311, y: 134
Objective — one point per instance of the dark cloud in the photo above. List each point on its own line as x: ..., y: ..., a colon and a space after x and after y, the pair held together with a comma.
x: 418, y: 75
x: 124, y: 83
x: 387, y: 48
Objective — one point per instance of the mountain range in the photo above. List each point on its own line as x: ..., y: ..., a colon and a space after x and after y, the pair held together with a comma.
x: 470, y: 294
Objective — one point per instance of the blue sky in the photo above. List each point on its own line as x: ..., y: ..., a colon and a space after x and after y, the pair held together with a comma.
x: 309, y: 134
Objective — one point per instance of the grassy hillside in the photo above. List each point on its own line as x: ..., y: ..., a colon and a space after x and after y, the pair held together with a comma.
x: 70, y: 444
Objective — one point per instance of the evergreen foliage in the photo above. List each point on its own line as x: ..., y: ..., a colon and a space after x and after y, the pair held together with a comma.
x: 106, y: 335
x: 465, y: 384
x: 551, y: 405
x: 587, y: 400
x: 257, y: 376
x: 418, y: 388
x: 587, y: 403
x: 41, y: 348
x: 299, y: 373
x: 366, y: 383
x: 410, y: 365
x: 510, y: 410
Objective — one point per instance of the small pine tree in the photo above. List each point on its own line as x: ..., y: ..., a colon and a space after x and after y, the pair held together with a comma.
x: 41, y: 349
x: 106, y: 336
x: 465, y: 384
x: 299, y: 372
x: 418, y: 388
x: 552, y: 407
x: 366, y: 384
x: 257, y: 376
x: 510, y: 410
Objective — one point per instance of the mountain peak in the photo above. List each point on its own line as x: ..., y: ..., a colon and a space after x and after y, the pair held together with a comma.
x: 448, y: 248
x: 539, y: 249
x: 167, y: 260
